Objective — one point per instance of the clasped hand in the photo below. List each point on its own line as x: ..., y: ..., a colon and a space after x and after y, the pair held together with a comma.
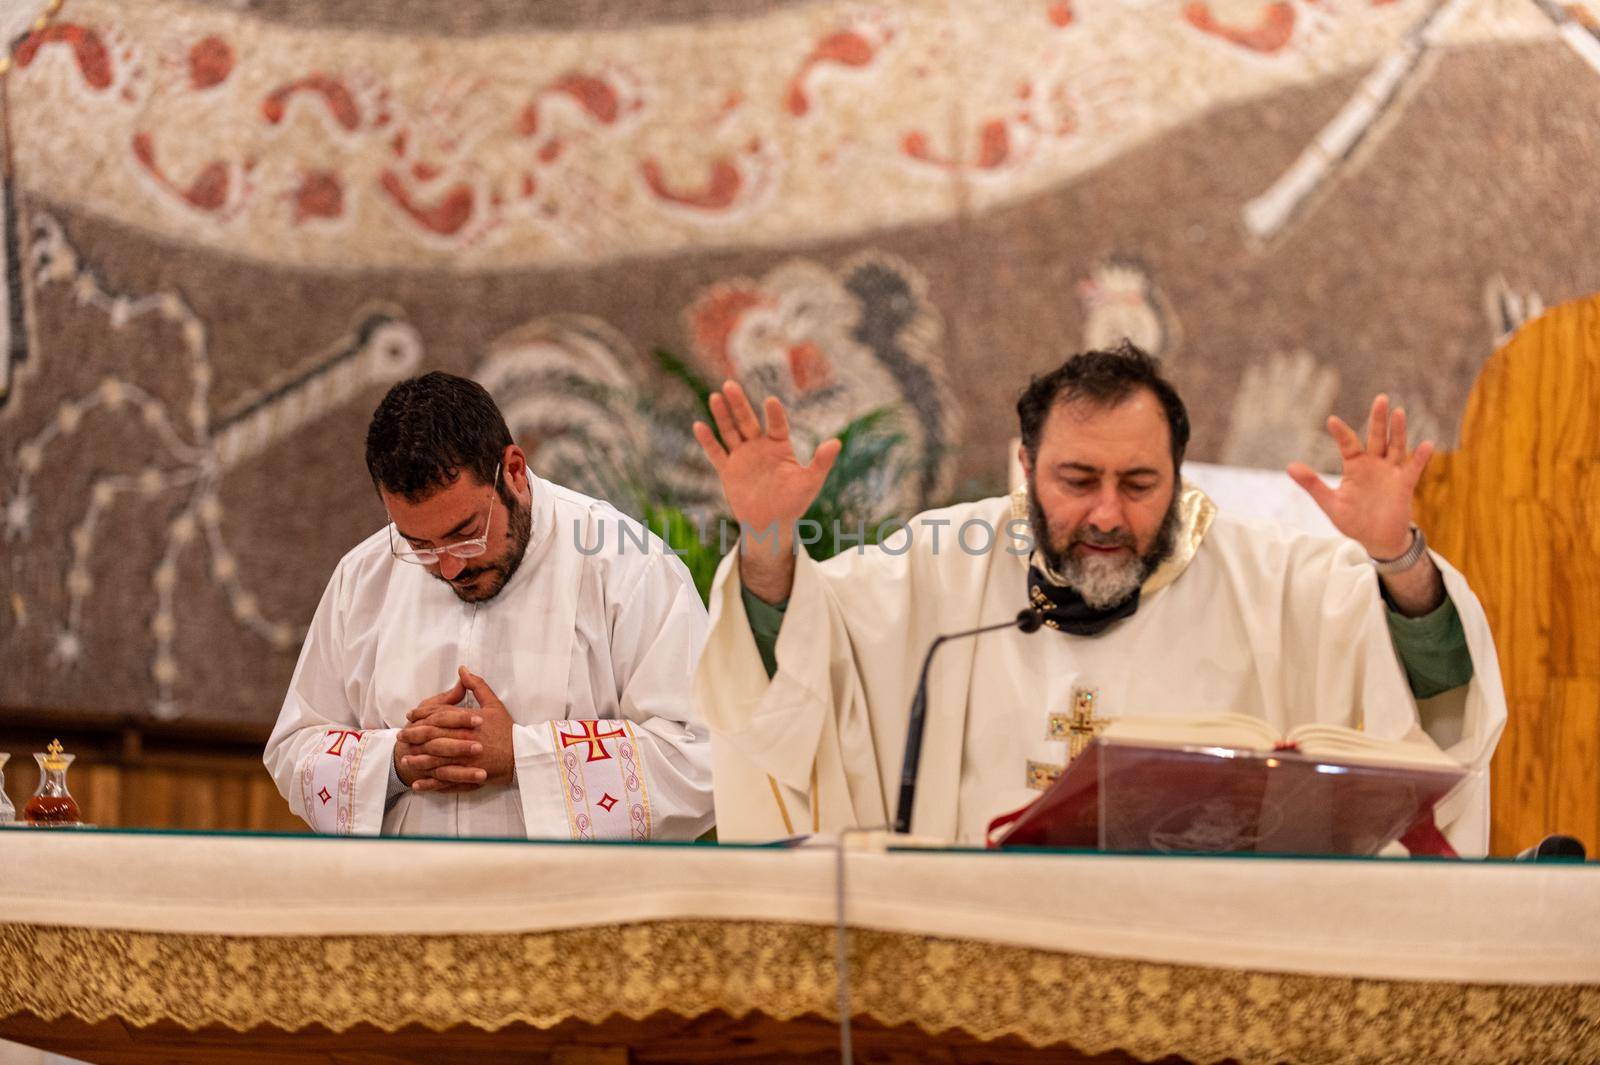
x: 447, y: 747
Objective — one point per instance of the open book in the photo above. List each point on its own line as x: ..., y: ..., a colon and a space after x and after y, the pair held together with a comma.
x: 1231, y: 784
x: 1246, y: 733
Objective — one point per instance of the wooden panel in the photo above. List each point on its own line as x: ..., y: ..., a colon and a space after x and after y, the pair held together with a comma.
x: 657, y: 1040
x: 131, y: 776
x: 1517, y: 509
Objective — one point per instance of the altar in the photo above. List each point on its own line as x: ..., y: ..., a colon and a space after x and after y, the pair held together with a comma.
x: 122, y: 946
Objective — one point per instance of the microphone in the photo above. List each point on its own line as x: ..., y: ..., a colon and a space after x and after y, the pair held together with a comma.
x: 1028, y: 620
x: 1555, y: 849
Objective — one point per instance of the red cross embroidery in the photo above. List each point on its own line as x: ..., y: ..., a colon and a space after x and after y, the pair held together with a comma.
x: 324, y: 796
x: 340, y: 735
x: 594, y: 738
x: 607, y: 803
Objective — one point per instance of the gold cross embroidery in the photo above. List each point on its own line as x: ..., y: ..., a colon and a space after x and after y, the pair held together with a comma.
x: 1042, y: 774
x: 1042, y: 603
x: 1078, y: 727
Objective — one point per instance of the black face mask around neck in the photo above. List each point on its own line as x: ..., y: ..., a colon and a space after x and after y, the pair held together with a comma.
x: 1064, y: 609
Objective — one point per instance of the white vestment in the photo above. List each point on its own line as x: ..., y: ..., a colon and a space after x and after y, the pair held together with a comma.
x: 590, y: 650
x: 1247, y: 617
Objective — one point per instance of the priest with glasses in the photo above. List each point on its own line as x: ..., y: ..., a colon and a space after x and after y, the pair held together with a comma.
x: 473, y: 671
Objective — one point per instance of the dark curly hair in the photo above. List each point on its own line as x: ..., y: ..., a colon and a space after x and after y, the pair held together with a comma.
x: 1101, y: 379
x: 430, y: 428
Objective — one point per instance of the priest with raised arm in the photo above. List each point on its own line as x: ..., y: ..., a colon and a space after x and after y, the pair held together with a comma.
x: 1151, y: 599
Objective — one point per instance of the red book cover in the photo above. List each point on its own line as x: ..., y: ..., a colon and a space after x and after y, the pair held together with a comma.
x: 1125, y: 796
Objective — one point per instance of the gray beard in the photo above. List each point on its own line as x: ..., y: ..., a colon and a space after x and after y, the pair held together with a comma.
x: 1103, y: 583
x: 520, y: 531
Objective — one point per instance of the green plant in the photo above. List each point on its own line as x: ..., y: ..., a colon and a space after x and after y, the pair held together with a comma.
x: 846, y: 510
x: 695, y: 542
x: 676, y: 368
x: 849, y: 510
x: 867, y: 469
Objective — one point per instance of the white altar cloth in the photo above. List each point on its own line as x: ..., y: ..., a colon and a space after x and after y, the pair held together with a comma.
x: 1490, y: 921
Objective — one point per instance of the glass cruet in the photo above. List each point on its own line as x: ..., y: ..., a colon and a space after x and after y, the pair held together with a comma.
x: 52, y: 803
x: 8, y: 813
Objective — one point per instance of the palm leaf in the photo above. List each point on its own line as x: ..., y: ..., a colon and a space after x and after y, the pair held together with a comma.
x: 849, y: 509
x: 696, y: 544
x: 848, y: 506
x: 677, y: 368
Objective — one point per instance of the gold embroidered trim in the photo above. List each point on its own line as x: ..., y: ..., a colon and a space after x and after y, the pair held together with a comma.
x: 349, y: 777
x: 640, y: 833
x: 1196, y: 512
x: 565, y: 773
x: 783, y: 807
x: 1040, y: 775
x: 783, y: 970
x: 816, y: 802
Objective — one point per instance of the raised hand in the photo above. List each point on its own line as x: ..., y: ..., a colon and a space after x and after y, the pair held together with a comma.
x: 761, y: 477
x: 1372, y: 504
x: 765, y: 485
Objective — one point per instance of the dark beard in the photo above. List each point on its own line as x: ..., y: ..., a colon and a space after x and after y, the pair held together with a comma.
x: 519, y: 531
x: 1059, y: 560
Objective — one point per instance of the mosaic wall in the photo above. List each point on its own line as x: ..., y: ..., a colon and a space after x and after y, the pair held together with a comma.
x: 229, y: 225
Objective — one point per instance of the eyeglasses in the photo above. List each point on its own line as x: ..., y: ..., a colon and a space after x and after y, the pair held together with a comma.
x: 472, y: 548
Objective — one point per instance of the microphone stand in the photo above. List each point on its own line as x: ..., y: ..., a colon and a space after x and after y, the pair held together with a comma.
x: 1028, y: 620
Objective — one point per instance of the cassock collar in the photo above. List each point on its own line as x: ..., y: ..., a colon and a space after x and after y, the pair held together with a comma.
x: 543, y: 536
x: 1196, y: 512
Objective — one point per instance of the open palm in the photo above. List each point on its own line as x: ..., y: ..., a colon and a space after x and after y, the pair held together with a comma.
x: 1372, y: 504
x: 762, y: 479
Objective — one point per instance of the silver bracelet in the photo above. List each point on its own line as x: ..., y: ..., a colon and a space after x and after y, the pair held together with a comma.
x: 1412, y: 555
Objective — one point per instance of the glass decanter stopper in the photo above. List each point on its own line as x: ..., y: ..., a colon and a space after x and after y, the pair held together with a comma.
x: 52, y: 803
x: 8, y: 813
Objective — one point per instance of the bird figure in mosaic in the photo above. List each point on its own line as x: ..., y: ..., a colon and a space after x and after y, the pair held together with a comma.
x: 197, y: 448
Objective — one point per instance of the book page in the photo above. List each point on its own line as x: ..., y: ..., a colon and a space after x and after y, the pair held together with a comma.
x: 1336, y: 742
x: 1220, y: 730
x: 1244, y: 732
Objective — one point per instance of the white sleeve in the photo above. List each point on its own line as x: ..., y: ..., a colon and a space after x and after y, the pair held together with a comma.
x: 797, y: 752
x: 1354, y: 677
x: 1467, y: 723
x: 334, y: 774
x: 647, y: 773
